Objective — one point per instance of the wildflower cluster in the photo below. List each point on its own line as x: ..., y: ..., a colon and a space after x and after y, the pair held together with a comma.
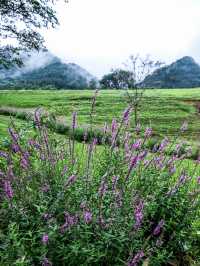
x: 66, y: 203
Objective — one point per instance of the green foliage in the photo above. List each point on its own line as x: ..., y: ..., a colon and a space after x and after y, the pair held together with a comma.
x: 118, y: 79
x: 96, y: 205
x: 22, y: 21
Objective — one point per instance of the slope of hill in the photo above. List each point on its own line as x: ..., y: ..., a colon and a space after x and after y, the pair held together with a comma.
x: 46, y: 71
x: 184, y: 73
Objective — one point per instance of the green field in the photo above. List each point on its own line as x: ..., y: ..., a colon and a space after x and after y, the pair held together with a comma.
x: 164, y: 110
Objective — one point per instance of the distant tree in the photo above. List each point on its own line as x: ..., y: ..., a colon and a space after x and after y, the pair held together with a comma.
x: 117, y: 79
x: 139, y: 68
x: 93, y: 84
x: 21, y: 20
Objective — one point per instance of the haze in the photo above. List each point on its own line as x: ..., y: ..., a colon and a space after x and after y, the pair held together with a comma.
x: 101, y: 34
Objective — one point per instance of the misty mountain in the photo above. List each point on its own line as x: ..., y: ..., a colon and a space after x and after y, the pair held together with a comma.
x: 184, y: 73
x: 45, y: 70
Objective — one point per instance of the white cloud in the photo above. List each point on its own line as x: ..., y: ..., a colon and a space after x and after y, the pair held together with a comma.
x: 100, y: 34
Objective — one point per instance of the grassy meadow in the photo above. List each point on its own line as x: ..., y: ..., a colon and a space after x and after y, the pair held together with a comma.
x: 164, y: 110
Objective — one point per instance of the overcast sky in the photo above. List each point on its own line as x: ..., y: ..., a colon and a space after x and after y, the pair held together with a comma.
x: 101, y: 34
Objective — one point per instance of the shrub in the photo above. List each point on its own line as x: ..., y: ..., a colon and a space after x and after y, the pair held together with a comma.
x: 66, y: 203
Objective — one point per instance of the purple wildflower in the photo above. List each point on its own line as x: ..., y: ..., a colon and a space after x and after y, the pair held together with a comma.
x: 103, y: 188
x: 37, y: 118
x: 158, y: 161
x: 3, y: 154
x: 147, y: 163
x: 182, y: 179
x: 142, y: 155
x: 95, y: 141
x: 172, y: 169
x: 158, y: 228
x: 45, y: 188
x: 83, y: 205
x: 102, y: 222
x: 10, y: 173
x: 148, y: 132
x: 64, y: 171
x: 118, y: 198
x: 136, y: 259
x: 46, y: 262
x: 1, y: 174
x: 45, y: 239
x: 70, y: 220
x: 71, y: 180
x: 137, y: 144
x: 15, y: 148
x: 114, y: 125
x: 138, y: 214
x: 133, y: 164
x: 8, y: 189
x: 87, y: 216
x: 163, y: 144
x: 178, y: 148
x: 126, y: 115
x: 114, y: 182
x: 13, y: 134
x: 198, y: 180
x: 46, y: 216
x: 24, y: 163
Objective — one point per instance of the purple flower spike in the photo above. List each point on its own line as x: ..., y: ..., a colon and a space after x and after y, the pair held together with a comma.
x: 138, y: 213
x: 13, y: 135
x: 70, y: 220
x: 87, y: 216
x: 45, y: 239
x: 163, y: 144
x: 46, y: 262
x: 198, y: 180
x: 103, y: 188
x: 137, y: 144
x: 158, y: 228
x: 24, y: 163
x: 8, y: 189
x: 3, y: 154
x: 148, y: 132
x: 136, y: 259
x: 126, y: 114
x: 15, y: 148
x: 114, y: 125
x: 114, y: 182
x: 64, y: 171
x: 71, y: 180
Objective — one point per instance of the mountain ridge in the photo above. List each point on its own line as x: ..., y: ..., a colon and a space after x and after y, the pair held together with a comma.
x: 183, y: 73
x: 49, y: 71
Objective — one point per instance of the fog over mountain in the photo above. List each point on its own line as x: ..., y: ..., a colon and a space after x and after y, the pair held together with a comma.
x: 46, y: 70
